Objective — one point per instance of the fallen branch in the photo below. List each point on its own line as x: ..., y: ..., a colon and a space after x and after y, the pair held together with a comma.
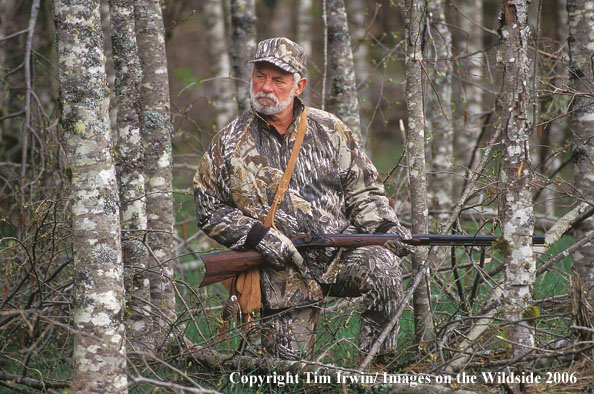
x: 173, y: 386
x: 568, y: 221
x: 33, y: 383
x: 466, y: 346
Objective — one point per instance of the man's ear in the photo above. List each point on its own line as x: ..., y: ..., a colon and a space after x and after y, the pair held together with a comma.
x: 300, y: 86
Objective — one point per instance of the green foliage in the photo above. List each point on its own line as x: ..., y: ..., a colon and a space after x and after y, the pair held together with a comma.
x: 186, y: 77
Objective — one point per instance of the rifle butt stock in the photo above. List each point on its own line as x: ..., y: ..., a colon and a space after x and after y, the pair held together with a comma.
x: 225, y: 265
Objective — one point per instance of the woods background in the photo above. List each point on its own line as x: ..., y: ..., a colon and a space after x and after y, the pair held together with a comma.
x: 479, y: 116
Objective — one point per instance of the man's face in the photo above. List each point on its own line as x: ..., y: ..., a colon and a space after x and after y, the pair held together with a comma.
x: 272, y: 89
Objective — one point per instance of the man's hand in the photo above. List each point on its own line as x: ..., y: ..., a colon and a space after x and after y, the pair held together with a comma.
x: 398, y: 248
x: 279, y: 250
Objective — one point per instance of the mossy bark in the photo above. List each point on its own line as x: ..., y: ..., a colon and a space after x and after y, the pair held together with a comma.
x: 99, y: 348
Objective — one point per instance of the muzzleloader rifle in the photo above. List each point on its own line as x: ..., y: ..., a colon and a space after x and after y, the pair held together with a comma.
x: 225, y: 265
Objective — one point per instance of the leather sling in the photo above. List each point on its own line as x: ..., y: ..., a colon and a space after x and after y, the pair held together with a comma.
x: 246, y: 285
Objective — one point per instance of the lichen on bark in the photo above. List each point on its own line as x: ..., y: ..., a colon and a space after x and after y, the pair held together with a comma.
x: 130, y: 167
x: 518, y: 215
x: 156, y: 129
x: 99, y: 351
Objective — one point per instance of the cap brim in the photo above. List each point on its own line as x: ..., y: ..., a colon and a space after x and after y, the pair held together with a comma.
x: 277, y: 62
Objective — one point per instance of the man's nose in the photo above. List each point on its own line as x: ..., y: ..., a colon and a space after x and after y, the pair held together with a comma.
x: 267, y: 86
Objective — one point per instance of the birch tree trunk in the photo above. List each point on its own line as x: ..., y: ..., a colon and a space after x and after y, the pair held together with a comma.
x: 344, y: 102
x: 156, y: 129
x: 439, y: 110
x: 581, y: 122
x: 357, y: 12
x: 220, y: 64
x: 416, y: 160
x: 243, y: 25
x: 130, y: 168
x: 555, y: 134
x: 518, y: 215
x: 305, y: 38
x: 99, y: 349
x: 470, y: 104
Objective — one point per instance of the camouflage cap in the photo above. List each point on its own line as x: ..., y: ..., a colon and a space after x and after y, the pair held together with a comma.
x: 283, y: 53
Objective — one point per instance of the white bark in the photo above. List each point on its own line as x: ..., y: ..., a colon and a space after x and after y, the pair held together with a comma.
x: 130, y: 166
x: 344, y: 100
x: 518, y: 215
x: 416, y: 160
x: 158, y: 161
x: 243, y: 25
x: 99, y: 350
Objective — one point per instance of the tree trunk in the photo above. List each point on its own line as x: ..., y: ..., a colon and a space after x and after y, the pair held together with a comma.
x: 99, y: 349
x: 518, y: 215
x: 360, y: 49
x: 363, y: 72
x: 344, y: 101
x: 243, y: 24
x: 8, y: 10
x: 469, y: 107
x: 156, y: 129
x: 416, y: 155
x: 281, y: 24
x: 220, y: 65
x: 130, y: 166
x: 581, y: 122
x: 305, y: 38
x: 555, y: 134
x: 439, y: 110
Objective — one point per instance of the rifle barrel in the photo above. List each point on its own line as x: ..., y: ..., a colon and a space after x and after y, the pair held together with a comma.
x: 225, y: 265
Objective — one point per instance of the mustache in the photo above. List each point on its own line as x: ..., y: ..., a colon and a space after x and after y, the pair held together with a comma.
x: 267, y: 96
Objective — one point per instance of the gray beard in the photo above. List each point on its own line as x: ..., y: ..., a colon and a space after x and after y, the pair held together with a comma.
x: 277, y: 108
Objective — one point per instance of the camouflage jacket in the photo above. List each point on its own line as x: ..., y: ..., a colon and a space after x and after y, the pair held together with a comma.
x: 334, y: 189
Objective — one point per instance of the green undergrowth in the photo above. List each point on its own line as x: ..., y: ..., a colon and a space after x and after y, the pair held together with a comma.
x: 338, y: 328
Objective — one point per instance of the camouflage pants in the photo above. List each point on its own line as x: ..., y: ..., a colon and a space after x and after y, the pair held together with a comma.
x: 372, y: 272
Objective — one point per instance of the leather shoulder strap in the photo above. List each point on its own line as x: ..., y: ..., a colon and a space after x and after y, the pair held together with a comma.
x: 286, y: 178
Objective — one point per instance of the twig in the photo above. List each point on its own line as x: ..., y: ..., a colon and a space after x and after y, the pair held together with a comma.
x: 33, y: 383
x: 587, y: 239
x: 173, y: 386
x: 466, y: 346
x: 13, y: 35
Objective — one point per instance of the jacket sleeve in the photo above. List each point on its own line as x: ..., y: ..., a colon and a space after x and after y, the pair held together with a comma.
x: 365, y: 197
x: 217, y: 216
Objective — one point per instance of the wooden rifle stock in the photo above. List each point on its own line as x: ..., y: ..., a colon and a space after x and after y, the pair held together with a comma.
x: 225, y: 265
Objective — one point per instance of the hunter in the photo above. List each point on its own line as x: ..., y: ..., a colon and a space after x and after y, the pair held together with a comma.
x: 333, y: 188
